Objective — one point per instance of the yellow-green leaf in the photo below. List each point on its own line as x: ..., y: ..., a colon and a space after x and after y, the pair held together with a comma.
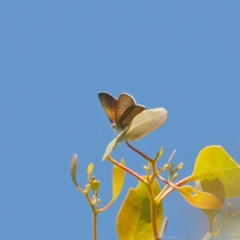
x: 146, y: 122
x: 134, y: 217
x: 214, y: 161
x: 73, y: 169
x: 118, y: 180
x: 116, y: 141
x: 215, y: 187
x: 199, y: 199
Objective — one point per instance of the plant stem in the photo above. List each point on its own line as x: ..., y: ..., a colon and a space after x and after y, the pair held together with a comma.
x: 153, y: 213
x: 137, y: 151
x: 126, y: 169
x: 94, y: 225
x: 170, y: 189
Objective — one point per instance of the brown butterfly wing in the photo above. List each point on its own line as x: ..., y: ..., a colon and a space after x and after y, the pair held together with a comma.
x: 126, y: 110
x: 128, y: 116
x: 109, y: 104
x: 124, y: 102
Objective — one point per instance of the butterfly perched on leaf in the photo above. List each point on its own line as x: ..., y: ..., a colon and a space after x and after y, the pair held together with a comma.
x: 120, y: 111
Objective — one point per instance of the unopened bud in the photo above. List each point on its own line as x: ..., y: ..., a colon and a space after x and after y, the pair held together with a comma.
x: 165, y: 167
x: 179, y: 167
x: 95, y: 185
x: 175, y: 176
x: 89, y: 170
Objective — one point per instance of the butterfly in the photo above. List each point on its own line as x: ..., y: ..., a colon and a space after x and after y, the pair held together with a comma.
x: 120, y: 111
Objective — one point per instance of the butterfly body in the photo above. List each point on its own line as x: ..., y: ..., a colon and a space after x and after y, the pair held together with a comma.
x: 120, y: 111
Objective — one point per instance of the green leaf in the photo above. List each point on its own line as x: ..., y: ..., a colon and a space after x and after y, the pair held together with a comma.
x: 118, y: 180
x: 73, y: 169
x: 215, y: 187
x: 116, y: 141
x: 199, y: 199
x: 214, y: 161
x: 146, y: 122
x: 134, y: 218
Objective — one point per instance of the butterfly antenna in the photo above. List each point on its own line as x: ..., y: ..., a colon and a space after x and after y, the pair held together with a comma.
x: 95, y: 129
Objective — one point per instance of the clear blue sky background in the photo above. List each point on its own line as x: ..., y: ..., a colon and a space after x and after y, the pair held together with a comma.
x: 55, y: 56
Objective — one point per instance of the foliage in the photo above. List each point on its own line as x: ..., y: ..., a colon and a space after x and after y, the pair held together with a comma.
x: 141, y: 216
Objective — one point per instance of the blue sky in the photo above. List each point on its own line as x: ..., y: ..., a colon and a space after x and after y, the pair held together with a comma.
x: 55, y: 56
